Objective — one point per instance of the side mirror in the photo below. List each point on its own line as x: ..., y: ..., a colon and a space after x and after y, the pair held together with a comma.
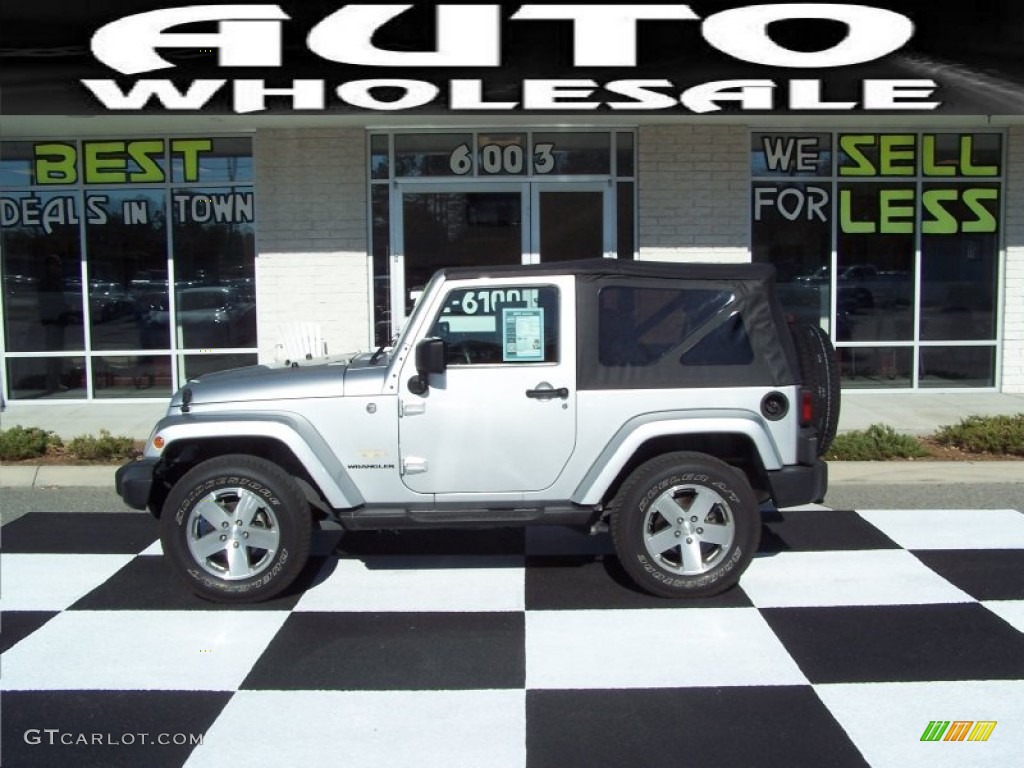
x: 431, y: 357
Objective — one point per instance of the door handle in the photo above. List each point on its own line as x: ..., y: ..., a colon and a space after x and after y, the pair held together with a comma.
x: 547, y: 392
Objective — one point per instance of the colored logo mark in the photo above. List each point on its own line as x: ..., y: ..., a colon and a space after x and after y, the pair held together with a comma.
x: 958, y: 730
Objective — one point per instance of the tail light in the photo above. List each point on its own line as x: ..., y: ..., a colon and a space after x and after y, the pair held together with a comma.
x: 806, y: 408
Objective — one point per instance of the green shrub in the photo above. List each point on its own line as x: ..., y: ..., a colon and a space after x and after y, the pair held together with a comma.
x: 877, y: 443
x: 106, y: 447
x: 985, y: 434
x: 18, y: 443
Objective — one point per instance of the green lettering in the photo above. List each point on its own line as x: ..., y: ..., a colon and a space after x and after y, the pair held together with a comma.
x: 55, y: 164
x: 985, y: 221
x: 190, y: 150
x: 145, y: 153
x: 966, y: 166
x: 846, y: 223
x: 942, y: 221
x: 928, y: 159
x: 890, y: 211
x: 897, y: 157
x: 104, y: 170
x: 850, y: 144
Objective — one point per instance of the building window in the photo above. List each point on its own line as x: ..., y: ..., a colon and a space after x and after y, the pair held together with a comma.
x: 127, y: 265
x: 891, y: 242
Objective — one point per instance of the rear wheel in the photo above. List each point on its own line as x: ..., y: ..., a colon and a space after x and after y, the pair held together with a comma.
x: 820, y: 374
x: 685, y: 525
x: 237, y: 529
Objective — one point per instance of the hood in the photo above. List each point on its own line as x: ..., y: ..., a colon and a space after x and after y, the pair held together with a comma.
x: 263, y: 382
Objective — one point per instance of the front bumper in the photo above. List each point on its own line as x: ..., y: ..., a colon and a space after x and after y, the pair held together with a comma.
x: 799, y: 484
x: 134, y: 481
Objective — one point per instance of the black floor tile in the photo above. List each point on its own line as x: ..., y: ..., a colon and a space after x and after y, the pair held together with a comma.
x: 782, y: 725
x: 100, y: 533
x: 984, y: 574
x: 899, y: 643
x: 814, y: 531
x: 586, y: 582
x: 394, y: 651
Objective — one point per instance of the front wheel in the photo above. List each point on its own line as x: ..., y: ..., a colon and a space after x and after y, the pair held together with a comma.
x: 685, y: 525
x: 237, y: 528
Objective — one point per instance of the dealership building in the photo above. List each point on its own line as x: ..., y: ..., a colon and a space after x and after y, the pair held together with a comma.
x: 138, y: 251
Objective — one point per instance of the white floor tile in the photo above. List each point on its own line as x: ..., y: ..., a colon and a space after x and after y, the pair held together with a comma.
x: 424, y: 729
x: 654, y: 648
x: 876, y: 577
x: 1010, y: 611
x: 132, y: 650
x: 887, y: 720
x: 419, y: 583
x: 52, y: 582
x: 156, y: 548
x: 950, y: 528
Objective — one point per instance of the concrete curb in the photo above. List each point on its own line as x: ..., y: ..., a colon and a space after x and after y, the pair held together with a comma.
x: 840, y: 473
x: 56, y: 476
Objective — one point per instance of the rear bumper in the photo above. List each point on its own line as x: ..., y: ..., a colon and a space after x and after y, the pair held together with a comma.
x: 799, y: 484
x: 134, y: 481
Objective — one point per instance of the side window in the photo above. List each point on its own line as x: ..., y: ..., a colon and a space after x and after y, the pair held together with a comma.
x: 646, y: 326
x: 500, y: 326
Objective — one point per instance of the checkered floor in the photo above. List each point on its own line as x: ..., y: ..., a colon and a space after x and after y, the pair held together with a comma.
x: 851, y: 631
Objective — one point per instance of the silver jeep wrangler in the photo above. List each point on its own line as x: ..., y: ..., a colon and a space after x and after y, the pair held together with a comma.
x: 663, y: 402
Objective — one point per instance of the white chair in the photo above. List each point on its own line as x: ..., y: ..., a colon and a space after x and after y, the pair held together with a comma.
x: 300, y: 341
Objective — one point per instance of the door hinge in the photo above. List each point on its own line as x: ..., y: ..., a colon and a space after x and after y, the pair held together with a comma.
x: 413, y: 465
x: 412, y: 408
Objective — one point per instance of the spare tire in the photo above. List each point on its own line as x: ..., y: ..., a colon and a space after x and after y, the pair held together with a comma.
x: 820, y: 374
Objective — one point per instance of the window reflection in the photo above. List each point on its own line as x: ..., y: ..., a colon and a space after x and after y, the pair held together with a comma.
x: 875, y: 280
x: 876, y: 367
x: 214, y: 256
x: 957, y: 367
x: 127, y: 260
x: 48, y: 378
x: 115, y: 283
x: 793, y: 231
x: 42, y: 272
x: 958, y: 269
x: 131, y: 376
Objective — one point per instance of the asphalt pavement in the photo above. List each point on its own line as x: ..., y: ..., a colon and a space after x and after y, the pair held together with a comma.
x: 852, y: 485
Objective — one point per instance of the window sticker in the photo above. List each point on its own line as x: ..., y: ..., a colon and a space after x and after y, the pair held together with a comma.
x: 522, y: 335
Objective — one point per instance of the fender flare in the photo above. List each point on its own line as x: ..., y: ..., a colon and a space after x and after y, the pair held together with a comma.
x: 640, y: 429
x: 295, y: 432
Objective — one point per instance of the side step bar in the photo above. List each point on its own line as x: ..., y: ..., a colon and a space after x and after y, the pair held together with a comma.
x: 370, y: 518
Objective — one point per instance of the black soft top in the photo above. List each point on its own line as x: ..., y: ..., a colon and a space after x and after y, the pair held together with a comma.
x: 744, y: 342
x: 762, y: 273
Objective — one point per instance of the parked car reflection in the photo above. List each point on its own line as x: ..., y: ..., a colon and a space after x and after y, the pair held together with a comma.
x: 212, y: 316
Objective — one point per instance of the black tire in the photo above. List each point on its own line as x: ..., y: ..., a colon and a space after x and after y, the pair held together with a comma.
x: 819, y: 373
x: 217, y: 515
x: 706, y: 492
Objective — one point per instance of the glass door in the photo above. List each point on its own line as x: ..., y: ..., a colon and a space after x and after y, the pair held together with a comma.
x: 439, y: 226
x: 571, y: 221
x: 485, y: 224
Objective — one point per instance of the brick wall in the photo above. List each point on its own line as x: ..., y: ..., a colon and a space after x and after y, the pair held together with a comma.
x: 1013, y: 323
x: 311, y: 261
x: 694, y: 189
